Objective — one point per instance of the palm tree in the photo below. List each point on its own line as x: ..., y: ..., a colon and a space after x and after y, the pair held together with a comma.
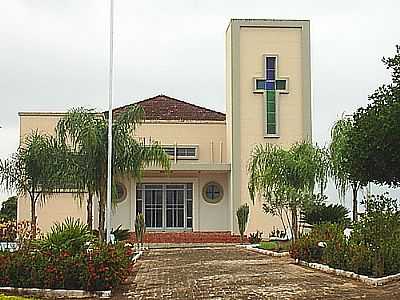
x: 86, y: 131
x: 286, y: 179
x: 36, y: 170
x: 340, y: 167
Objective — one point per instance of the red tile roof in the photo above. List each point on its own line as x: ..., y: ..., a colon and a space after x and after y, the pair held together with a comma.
x: 162, y: 107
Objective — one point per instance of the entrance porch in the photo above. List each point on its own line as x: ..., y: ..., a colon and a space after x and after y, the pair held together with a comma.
x: 181, y: 201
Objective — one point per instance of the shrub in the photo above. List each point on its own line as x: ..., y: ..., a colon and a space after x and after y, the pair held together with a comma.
x: 64, y: 260
x: 322, y: 213
x: 307, y: 248
x: 8, y: 231
x: 140, y: 229
x: 242, y: 217
x: 71, y: 236
x: 276, y: 233
x: 255, y: 237
x: 373, y: 248
x: 120, y: 234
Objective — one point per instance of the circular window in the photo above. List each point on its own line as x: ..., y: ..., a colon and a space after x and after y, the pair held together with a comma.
x: 121, y: 192
x: 213, y: 192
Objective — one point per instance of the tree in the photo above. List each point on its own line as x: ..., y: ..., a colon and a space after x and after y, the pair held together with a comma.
x: 341, y: 163
x: 286, y: 179
x: 373, y: 153
x: 86, y: 131
x: 8, y: 211
x: 37, y: 170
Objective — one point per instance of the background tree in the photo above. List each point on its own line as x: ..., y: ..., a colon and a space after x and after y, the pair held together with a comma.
x: 373, y: 152
x: 8, y: 211
x: 341, y: 163
x: 37, y: 170
x: 286, y: 179
x: 86, y: 131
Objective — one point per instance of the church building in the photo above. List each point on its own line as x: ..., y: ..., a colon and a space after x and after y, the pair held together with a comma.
x: 268, y: 100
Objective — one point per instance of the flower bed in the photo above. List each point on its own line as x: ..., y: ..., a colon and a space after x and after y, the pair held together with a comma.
x: 68, y: 257
x: 102, y: 268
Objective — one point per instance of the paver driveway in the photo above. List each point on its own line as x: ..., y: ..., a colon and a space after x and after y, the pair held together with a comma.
x: 233, y: 273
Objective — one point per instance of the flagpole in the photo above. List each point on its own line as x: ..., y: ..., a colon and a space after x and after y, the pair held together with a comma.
x: 110, y: 118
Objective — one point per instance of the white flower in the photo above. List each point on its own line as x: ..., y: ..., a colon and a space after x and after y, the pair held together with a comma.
x: 322, y: 244
x: 128, y: 245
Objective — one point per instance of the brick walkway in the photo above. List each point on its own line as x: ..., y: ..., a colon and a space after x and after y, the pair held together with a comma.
x: 233, y: 273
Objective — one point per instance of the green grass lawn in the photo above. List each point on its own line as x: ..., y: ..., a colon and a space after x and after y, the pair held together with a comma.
x: 278, y: 246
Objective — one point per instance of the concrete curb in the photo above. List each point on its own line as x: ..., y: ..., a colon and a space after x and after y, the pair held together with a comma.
x: 368, y: 280
x: 50, y: 293
x: 253, y: 247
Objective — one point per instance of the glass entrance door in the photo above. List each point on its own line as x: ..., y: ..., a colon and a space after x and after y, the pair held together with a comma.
x: 153, y: 206
x: 175, y: 206
x: 165, y: 206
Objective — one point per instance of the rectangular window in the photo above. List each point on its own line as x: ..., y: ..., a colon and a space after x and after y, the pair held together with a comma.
x: 169, y: 150
x: 270, y: 112
x: 181, y: 152
x: 166, y: 206
x: 260, y: 84
x: 281, y: 84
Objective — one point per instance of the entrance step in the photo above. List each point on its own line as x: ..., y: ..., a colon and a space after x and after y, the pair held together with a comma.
x: 222, y: 237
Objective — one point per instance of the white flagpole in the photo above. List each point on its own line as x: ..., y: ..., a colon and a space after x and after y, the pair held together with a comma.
x: 110, y: 117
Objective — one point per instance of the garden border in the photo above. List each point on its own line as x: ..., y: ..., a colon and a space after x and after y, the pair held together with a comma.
x: 62, y: 293
x: 253, y: 247
x: 55, y: 293
x: 342, y: 273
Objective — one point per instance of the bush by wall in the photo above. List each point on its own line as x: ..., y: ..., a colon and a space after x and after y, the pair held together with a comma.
x: 372, y: 249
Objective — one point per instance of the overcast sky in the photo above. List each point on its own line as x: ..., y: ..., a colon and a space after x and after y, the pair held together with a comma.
x: 54, y: 54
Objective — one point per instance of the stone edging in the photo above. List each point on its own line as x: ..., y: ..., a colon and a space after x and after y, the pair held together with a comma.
x: 363, y: 278
x: 136, y: 257
x: 253, y: 247
x: 57, y: 293
x: 50, y: 293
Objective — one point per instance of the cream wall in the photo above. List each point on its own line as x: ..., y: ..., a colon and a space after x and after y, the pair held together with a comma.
x: 44, y: 122
x: 250, y: 41
x: 55, y: 209
x: 210, y: 136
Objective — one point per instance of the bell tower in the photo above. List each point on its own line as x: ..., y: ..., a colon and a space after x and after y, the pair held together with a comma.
x: 268, y: 99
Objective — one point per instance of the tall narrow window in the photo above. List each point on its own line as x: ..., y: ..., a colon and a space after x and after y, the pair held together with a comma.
x: 270, y: 94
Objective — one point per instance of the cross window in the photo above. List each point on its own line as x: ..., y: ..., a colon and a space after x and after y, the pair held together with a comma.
x: 271, y: 85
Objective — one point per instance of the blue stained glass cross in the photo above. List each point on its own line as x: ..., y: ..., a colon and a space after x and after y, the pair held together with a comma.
x: 271, y: 86
x: 271, y: 81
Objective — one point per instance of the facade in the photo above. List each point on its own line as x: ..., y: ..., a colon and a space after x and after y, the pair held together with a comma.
x: 267, y: 101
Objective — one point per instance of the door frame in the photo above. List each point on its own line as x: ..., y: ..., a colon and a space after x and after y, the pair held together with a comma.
x: 166, y: 180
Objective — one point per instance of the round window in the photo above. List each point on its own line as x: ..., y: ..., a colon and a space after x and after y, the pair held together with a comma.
x: 213, y: 192
x: 121, y: 192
